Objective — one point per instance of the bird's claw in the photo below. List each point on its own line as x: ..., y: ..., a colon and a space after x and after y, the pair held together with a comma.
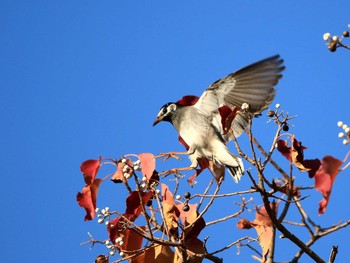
x: 169, y: 155
x: 175, y: 171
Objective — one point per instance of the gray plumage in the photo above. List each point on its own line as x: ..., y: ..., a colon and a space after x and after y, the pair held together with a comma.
x: 200, y: 125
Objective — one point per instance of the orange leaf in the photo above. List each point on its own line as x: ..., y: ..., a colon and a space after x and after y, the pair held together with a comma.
x: 188, y: 218
x: 324, y: 179
x: 148, y: 164
x: 132, y: 240
x: 195, y: 248
x: 156, y: 254
x: 263, y: 226
x: 169, y: 208
x: 118, y: 176
x: 87, y: 199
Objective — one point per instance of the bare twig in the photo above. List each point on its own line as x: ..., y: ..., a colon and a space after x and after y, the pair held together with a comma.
x: 333, y: 255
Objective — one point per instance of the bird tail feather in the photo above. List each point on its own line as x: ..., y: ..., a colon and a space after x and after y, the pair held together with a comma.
x: 236, y: 172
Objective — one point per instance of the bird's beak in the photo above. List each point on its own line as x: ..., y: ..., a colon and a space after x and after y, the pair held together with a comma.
x: 158, y: 119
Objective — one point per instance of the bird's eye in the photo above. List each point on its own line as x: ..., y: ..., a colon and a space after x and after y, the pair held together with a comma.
x: 165, y: 110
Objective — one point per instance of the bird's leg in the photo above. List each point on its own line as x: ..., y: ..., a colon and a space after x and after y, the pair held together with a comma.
x: 168, y: 155
x: 177, y: 171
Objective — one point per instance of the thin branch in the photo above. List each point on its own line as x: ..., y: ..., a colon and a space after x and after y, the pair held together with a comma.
x: 333, y: 255
x: 226, y: 218
x: 204, y: 194
x: 230, y: 245
x: 224, y: 195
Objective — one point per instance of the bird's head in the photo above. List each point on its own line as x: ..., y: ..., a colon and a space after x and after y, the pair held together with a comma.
x: 165, y: 112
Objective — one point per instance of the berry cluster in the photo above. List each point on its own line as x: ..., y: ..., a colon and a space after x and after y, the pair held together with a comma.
x: 103, y: 215
x: 130, y: 167
x: 275, y: 114
x: 187, y: 196
x: 333, y: 42
x: 346, y: 134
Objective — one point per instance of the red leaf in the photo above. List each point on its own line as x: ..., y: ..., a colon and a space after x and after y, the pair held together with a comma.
x: 90, y: 169
x: 133, y: 204
x: 118, y: 226
x: 244, y: 224
x: 324, y: 179
x: 312, y: 165
x: 203, y: 164
x: 188, y: 100
x: 295, y: 154
x: 148, y: 164
x: 284, y: 149
x: 87, y: 198
x: 227, y: 114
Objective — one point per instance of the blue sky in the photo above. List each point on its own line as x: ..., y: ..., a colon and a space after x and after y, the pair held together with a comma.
x: 81, y: 79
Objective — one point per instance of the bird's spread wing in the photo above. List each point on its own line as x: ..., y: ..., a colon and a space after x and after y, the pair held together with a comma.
x: 254, y: 84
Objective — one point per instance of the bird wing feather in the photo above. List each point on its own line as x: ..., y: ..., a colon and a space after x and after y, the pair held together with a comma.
x: 253, y: 84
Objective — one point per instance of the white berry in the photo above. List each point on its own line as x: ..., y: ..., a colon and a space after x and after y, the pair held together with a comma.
x: 100, y: 221
x: 341, y: 135
x: 178, y: 197
x: 326, y: 36
x: 278, y: 106
x: 340, y: 123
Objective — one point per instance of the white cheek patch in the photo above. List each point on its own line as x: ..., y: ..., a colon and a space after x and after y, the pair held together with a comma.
x: 172, y: 107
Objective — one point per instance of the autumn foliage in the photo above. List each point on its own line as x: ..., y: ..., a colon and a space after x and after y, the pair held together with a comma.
x: 156, y: 224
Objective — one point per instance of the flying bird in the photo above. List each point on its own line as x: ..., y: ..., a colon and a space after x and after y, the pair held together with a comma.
x: 247, y: 91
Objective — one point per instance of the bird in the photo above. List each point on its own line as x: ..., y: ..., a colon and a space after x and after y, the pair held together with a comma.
x: 200, y: 124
